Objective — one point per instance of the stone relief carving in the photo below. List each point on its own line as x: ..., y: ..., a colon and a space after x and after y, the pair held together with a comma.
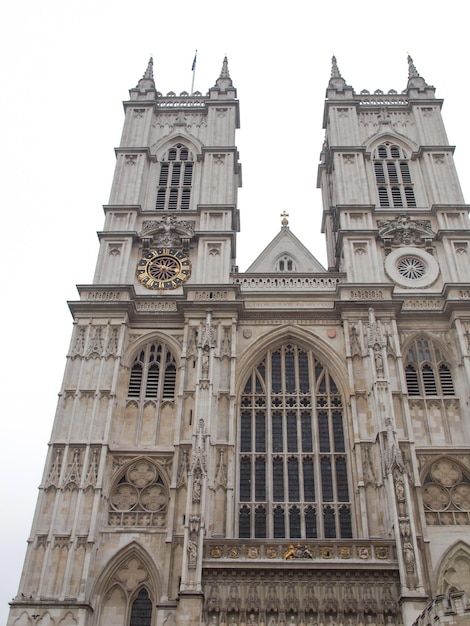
x: 405, y: 231
x: 167, y: 232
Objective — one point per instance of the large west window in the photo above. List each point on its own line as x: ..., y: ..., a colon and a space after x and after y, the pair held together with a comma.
x: 293, y: 477
x: 393, y: 177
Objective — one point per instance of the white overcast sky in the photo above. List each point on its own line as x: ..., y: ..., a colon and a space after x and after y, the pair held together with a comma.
x: 66, y: 66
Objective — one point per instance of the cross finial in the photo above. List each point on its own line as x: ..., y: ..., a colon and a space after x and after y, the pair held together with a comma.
x: 284, y: 216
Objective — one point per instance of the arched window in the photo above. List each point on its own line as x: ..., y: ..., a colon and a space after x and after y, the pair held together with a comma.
x: 427, y: 374
x: 446, y: 494
x: 141, y: 612
x: 285, y: 264
x: 175, y: 180
x: 153, y: 374
x: 293, y: 478
x: 393, y: 178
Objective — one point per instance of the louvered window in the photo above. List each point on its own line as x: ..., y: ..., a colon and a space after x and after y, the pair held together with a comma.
x: 426, y: 373
x: 392, y: 173
x: 175, y: 180
x: 153, y: 374
x: 293, y: 477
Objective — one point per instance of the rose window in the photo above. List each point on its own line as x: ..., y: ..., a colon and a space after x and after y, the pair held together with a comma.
x: 411, y: 268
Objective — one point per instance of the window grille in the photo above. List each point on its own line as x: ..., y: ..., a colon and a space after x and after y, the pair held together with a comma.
x: 292, y: 461
x: 393, y: 178
x: 175, y: 181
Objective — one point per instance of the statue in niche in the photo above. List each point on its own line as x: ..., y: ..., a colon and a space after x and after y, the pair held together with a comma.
x: 409, y: 557
x: 197, y: 486
x: 252, y: 620
x: 379, y: 363
x: 192, y: 554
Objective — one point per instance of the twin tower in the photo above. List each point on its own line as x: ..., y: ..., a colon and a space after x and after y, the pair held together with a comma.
x: 288, y: 445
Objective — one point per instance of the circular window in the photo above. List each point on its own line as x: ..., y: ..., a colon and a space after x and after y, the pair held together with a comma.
x: 411, y: 267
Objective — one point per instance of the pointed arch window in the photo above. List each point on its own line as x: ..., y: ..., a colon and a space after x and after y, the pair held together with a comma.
x: 426, y: 372
x: 392, y: 176
x: 175, y: 180
x: 293, y: 477
x: 153, y: 374
x: 141, y: 611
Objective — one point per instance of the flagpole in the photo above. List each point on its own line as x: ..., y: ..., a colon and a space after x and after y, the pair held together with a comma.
x: 194, y: 72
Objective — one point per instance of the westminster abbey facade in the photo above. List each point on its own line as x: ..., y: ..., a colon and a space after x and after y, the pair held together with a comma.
x: 287, y: 445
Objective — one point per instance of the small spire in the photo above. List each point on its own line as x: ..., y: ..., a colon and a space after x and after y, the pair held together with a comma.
x: 412, y: 71
x: 224, y: 73
x: 224, y: 81
x: 145, y: 88
x: 335, y: 73
x: 148, y: 74
x: 285, y: 221
x: 415, y: 80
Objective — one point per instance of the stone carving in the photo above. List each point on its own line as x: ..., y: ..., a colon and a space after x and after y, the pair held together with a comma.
x: 405, y: 231
x: 54, y: 473
x: 182, y: 479
x: 376, y: 343
x: 192, y: 554
x: 95, y: 347
x: 392, y: 456
x: 207, y: 337
x: 368, y: 469
x: 194, y: 524
x: 91, y: 476
x: 221, y: 471
x: 73, y: 472
x: 409, y: 557
x: 354, y: 342
x: 199, y: 454
x: 112, y: 344
x: 225, y: 348
x: 192, y: 342
x: 79, y: 344
x: 167, y: 232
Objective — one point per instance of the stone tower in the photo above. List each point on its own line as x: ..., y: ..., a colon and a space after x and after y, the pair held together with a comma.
x: 288, y: 445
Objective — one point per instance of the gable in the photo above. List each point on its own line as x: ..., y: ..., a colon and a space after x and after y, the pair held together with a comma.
x: 285, y: 253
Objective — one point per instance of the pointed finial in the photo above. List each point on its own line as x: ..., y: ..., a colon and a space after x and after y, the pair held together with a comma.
x: 224, y: 82
x: 415, y: 80
x: 148, y: 74
x: 335, y: 73
x: 146, y: 86
x: 285, y: 221
x: 224, y: 72
x: 412, y: 71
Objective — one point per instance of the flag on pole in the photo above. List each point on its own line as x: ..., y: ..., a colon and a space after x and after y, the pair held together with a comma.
x: 193, y: 67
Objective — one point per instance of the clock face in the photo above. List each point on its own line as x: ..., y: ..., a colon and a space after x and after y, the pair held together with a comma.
x: 164, y: 268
